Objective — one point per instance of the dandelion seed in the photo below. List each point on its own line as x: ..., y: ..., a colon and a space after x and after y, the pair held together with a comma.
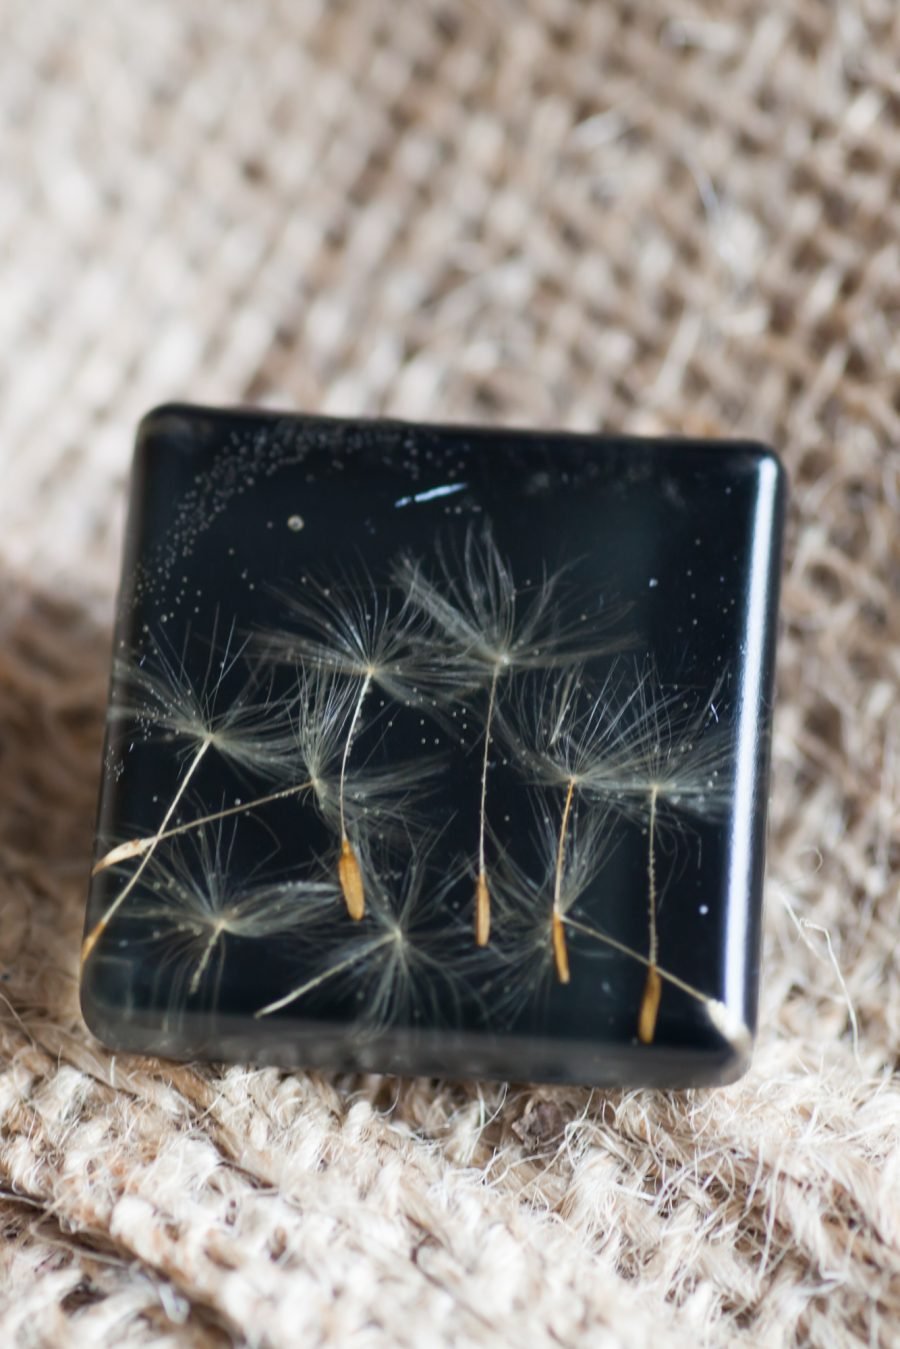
x: 349, y: 630
x: 482, y: 910
x: 349, y: 870
x: 560, y: 952
x: 157, y: 693
x: 535, y: 909
x: 491, y: 631
x: 404, y: 962
x: 482, y: 893
x: 351, y: 879
x: 560, y: 948
x: 188, y: 905
x: 676, y: 776
x: 649, y: 1008
x: 633, y: 748
x: 544, y: 753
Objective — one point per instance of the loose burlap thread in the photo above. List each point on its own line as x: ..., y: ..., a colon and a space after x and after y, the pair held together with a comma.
x: 630, y: 216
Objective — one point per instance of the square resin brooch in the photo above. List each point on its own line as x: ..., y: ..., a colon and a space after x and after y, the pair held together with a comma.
x: 437, y: 750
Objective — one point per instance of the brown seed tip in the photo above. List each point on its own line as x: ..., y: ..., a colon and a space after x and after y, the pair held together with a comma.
x: 482, y: 911
x: 350, y: 877
x: 91, y: 940
x: 560, y: 950
x: 121, y: 853
x: 649, y: 1006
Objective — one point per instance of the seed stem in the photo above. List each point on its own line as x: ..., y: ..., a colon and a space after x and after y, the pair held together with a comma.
x: 100, y: 927
x: 135, y: 847
x: 330, y: 973
x: 354, y: 723
x: 211, y: 945
x: 482, y: 893
x: 615, y: 945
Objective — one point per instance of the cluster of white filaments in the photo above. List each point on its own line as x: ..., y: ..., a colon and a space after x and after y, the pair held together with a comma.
x: 520, y: 661
x: 190, y: 904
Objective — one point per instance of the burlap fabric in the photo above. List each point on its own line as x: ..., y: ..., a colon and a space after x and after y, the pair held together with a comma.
x: 629, y: 215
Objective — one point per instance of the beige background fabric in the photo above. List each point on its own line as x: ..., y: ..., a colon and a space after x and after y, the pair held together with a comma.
x: 632, y: 215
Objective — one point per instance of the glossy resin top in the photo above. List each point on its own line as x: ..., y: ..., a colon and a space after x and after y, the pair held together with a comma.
x: 437, y: 750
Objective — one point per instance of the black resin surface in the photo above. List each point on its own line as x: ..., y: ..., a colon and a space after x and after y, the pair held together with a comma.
x: 575, y: 630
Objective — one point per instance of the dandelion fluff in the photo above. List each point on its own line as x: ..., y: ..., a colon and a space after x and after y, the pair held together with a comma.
x: 491, y: 629
x: 188, y: 904
x: 631, y: 746
x: 349, y: 629
x: 403, y: 962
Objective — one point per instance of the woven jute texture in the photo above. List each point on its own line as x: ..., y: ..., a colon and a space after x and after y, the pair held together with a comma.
x: 630, y: 215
